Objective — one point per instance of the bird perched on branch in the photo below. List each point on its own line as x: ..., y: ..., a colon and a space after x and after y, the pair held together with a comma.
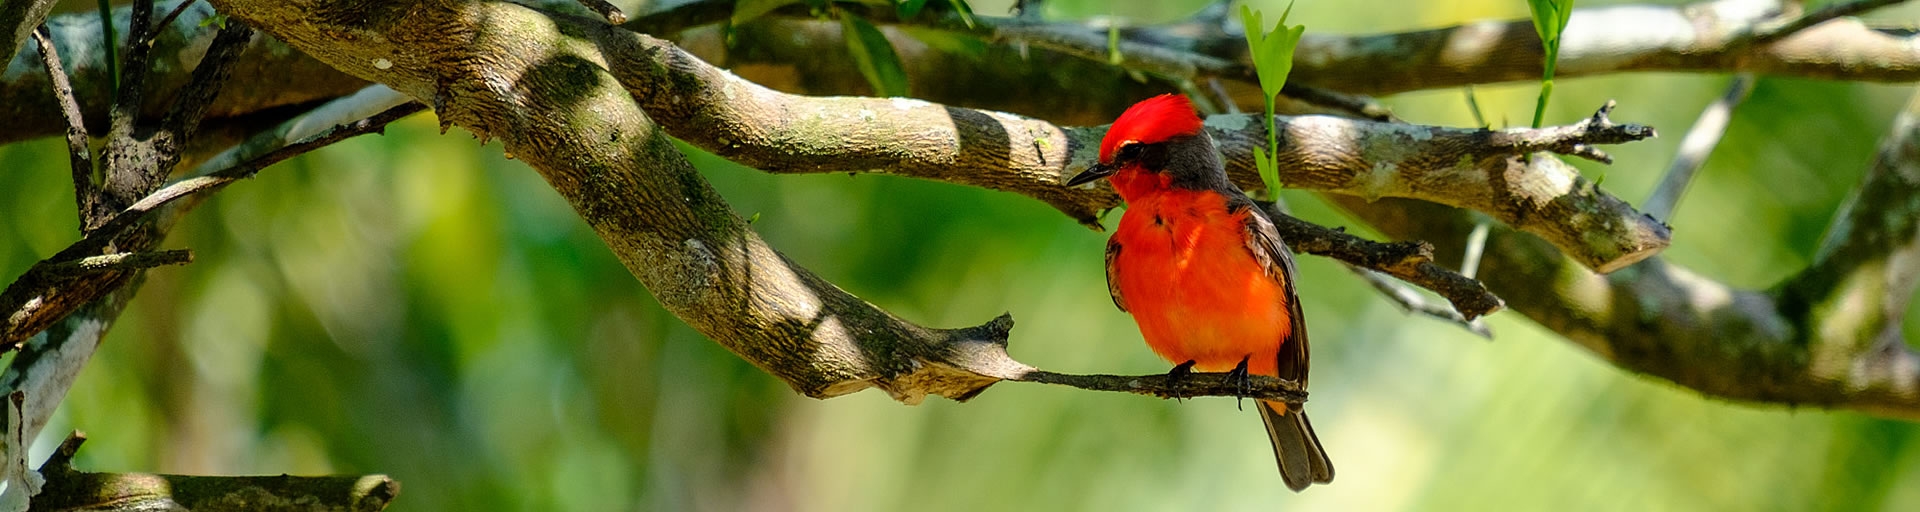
x: 1202, y: 270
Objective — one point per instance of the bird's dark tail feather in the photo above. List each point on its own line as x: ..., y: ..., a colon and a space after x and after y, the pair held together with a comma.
x: 1302, y: 461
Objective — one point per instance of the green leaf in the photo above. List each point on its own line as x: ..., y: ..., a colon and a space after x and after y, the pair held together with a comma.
x: 874, y: 55
x: 746, y: 10
x: 1256, y: 33
x: 948, y: 41
x: 1272, y: 62
x: 1269, y: 172
x: 1544, y: 18
x: 1272, y: 50
x: 113, y: 51
x: 1113, y: 46
x: 906, y: 9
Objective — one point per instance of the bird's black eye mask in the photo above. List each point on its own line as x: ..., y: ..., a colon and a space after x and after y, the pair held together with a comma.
x: 1152, y: 157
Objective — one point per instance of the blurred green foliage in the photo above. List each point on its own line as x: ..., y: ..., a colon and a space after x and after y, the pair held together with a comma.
x: 418, y: 305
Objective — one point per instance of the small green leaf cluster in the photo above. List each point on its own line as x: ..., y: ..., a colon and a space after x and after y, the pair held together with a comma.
x: 1272, y: 61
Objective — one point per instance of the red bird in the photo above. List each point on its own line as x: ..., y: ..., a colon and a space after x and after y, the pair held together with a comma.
x: 1202, y: 271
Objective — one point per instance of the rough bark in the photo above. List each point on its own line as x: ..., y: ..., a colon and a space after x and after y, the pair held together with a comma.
x: 1829, y: 336
x: 69, y: 489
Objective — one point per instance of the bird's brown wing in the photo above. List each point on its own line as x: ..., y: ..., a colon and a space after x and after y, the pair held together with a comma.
x: 1303, y: 461
x: 1113, y: 274
x: 1263, y: 240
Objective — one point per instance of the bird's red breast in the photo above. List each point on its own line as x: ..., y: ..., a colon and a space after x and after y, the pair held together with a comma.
x: 1192, y: 284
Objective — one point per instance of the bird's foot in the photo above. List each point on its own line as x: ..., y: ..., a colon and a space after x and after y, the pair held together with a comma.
x: 1243, y: 383
x: 1177, y: 375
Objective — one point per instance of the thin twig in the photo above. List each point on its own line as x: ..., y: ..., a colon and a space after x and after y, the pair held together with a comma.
x: 1767, y: 34
x: 1192, y: 385
x: 362, y: 104
x: 1397, y: 292
x: 62, y: 457
x: 1174, y: 64
x: 134, y: 214
x: 1411, y: 301
x: 1476, y: 246
x: 1578, y: 139
x: 1407, y: 261
x: 31, y: 287
x: 205, y: 85
x: 1696, y: 147
x: 161, y: 27
x: 79, y: 156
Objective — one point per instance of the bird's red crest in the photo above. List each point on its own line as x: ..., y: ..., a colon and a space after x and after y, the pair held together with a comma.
x: 1151, y: 120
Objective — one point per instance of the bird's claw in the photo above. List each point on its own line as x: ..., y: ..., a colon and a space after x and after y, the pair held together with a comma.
x: 1179, y: 373
x: 1243, y: 383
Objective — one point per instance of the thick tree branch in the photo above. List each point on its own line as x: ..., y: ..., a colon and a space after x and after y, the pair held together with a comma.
x: 1828, y: 337
x: 71, y: 489
x: 1470, y: 168
x: 568, y: 118
x: 1703, y: 37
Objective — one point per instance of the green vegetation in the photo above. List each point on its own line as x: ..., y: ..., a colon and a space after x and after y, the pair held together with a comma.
x: 1272, y: 52
x: 1549, y: 20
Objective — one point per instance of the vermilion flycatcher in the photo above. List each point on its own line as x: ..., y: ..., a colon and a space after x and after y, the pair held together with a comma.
x: 1202, y: 271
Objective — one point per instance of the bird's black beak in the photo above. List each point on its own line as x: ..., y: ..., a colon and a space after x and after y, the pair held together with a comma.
x: 1096, y: 171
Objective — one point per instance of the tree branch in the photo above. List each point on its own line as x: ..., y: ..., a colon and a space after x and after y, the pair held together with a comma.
x: 1409, y: 261
x: 49, y: 282
x: 1702, y: 37
x: 138, y: 162
x: 125, y: 261
x: 79, y: 155
x: 1695, y: 147
x: 1770, y: 32
x: 1411, y: 301
x: 70, y: 489
x: 19, y: 18
x: 1828, y: 336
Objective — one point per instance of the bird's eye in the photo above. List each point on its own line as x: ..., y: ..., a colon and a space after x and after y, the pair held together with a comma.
x: 1128, y: 151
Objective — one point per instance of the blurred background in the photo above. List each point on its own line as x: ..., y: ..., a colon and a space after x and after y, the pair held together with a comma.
x: 418, y: 305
